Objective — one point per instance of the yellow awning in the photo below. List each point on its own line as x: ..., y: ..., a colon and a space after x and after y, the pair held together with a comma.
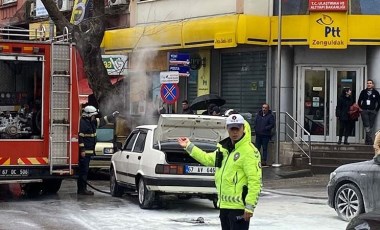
x: 218, y: 32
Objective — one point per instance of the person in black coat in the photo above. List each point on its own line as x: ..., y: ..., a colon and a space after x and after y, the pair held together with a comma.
x: 186, y: 108
x: 342, y: 109
x: 264, y: 123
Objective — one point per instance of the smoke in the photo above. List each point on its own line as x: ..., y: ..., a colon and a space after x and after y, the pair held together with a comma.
x: 137, y: 97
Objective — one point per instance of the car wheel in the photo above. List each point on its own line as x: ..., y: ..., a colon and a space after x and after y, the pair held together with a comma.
x: 348, y: 202
x: 115, y: 189
x: 146, y: 197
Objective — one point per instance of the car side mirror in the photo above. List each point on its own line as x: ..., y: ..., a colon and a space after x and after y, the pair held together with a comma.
x: 117, y: 147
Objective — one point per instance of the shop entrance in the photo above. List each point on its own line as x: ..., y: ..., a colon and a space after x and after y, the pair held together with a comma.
x: 318, y: 91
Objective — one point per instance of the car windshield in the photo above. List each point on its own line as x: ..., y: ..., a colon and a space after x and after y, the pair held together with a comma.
x: 104, y: 135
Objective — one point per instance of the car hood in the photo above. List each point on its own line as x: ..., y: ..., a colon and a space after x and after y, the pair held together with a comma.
x: 359, y: 166
x: 195, y: 127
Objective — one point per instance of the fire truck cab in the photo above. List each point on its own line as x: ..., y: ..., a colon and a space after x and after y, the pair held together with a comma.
x: 39, y: 112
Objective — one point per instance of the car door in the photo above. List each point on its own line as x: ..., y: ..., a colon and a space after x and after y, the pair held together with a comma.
x: 135, y: 156
x: 122, y: 160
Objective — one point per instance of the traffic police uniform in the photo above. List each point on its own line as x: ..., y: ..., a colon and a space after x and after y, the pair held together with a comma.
x: 238, y: 179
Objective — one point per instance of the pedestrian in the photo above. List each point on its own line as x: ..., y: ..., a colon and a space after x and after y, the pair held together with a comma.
x: 185, y: 108
x: 342, y: 113
x: 216, y: 111
x: 237, y: 175
x: 87, y: 141
x: 264, y: 123
x: 209, y: 109
x: 369, y: 102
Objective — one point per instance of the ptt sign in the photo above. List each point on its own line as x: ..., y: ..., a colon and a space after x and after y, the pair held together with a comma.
x: 332, y: 31
x: 328, y: 30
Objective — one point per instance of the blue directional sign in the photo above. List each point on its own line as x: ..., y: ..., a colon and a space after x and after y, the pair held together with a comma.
x: 169, y: 93
x: 184, y: 71
x: 179, y: 59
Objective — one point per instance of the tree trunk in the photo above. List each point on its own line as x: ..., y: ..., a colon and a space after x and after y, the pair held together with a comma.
x: 88, y: 35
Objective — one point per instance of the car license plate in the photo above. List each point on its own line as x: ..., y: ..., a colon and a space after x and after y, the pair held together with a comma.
x: 199, y: 170
x: 13, y: 172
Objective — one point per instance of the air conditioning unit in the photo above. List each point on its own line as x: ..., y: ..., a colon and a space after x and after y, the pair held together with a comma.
x: 64, y: 5
x: 117, y: 2
x: 32, y: 12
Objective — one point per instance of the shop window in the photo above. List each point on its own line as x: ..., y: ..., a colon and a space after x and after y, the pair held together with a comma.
x: 291, y: 7
x: 20, y: 99
x: 365, y: 7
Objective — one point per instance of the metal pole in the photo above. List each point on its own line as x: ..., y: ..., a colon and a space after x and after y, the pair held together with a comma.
x: 278, y: 101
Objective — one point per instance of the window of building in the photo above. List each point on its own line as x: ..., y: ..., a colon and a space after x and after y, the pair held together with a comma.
x: 292, y: 7
x: 365, y: 7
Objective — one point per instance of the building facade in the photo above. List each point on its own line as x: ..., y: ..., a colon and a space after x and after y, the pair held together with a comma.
x: 325, y: 47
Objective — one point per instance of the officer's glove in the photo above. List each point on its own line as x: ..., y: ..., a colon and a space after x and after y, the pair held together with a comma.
x: 115, y: 114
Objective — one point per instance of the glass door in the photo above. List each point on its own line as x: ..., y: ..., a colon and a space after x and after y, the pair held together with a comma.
x: 319, y: 89
x: 316, y: 97
x: 347, y: 78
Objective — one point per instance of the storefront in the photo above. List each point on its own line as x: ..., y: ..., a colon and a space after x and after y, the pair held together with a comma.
x: 228, y: 57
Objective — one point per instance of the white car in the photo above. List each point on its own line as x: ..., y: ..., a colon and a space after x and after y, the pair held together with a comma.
x: 153, y: 163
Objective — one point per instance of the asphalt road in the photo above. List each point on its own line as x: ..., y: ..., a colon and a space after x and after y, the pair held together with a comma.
x: 298, y: 203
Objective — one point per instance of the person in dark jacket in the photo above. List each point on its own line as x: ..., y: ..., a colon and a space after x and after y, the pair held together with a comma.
x: 87, y: 142
x: 342, y: 109
x: 264, y: 123
x: 185, y: 108
x: 369, y: 102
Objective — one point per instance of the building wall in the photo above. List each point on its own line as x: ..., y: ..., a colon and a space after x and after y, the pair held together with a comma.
x: 12, y: 12
x: 176, y: 10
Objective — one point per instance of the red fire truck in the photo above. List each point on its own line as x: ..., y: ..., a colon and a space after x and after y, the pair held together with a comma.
x: 39, y: 112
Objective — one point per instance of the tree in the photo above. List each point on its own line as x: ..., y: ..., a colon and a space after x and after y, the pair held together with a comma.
x: 88, y: 35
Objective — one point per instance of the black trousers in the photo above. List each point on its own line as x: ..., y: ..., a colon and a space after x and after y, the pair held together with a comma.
x: 84, y: 166
x: 345, y: 128
x: 232, y: 219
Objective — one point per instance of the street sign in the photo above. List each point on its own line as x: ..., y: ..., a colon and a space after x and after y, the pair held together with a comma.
x: 184, y: 71
x: 179, y: 59
x: 169, y: 77
x: 169, y: 93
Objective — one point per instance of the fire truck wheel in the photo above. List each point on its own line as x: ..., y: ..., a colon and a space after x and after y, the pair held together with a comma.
x: 115, y: 188
x: 51, y: 186
x: 32, y: 189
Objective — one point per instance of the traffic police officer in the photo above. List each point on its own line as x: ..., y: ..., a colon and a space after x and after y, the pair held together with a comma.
x: 238, y: 173
x: 87, y: 141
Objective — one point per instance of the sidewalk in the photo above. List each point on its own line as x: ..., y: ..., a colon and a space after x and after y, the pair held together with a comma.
x: 313, y: 187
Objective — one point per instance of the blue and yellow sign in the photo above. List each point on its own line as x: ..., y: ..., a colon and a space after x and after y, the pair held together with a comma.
x: 80, y: 11
x: 328, y: 30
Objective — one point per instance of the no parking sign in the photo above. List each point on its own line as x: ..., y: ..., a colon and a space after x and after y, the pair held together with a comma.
x: 169, y: 93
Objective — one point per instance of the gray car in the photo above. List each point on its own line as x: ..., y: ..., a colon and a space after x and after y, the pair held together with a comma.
x: 354, y: 188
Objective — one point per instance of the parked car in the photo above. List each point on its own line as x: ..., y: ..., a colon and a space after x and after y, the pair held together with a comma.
x: 104, y: 148
x: 152, y: 162
x: 106, y: 138
x: 365, y: 221
x: 353, y: 188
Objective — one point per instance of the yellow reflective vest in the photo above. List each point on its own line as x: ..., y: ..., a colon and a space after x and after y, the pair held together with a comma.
x: 238, y: 180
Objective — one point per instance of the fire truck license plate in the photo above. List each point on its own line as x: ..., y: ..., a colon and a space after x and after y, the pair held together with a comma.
x: 14, y: 172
